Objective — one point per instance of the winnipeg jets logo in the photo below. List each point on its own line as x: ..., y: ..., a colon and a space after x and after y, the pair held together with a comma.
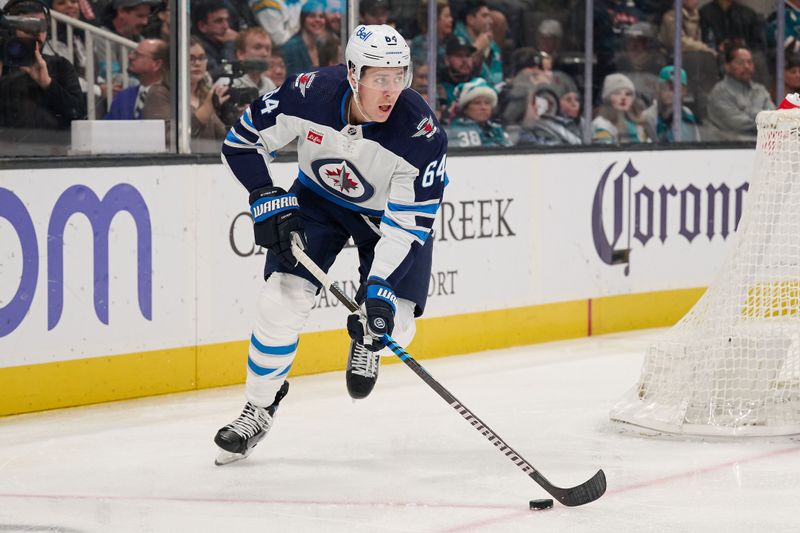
x: 426, y: 128
x: 342, y: 179
x: 304, y: 81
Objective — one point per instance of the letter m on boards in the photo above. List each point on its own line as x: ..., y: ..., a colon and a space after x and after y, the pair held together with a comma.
x: 81, y: 199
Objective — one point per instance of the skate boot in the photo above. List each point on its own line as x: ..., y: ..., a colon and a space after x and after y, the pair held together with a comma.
x: 238, y: 438
x: 362, y: 370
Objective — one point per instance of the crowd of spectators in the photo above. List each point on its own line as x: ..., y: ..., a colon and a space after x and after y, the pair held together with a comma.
x: 508, y: 72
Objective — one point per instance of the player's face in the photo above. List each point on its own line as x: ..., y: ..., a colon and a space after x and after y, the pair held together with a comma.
x: 621, y: 100
x: 379, y: 89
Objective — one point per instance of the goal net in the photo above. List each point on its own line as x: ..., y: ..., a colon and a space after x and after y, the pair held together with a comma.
x: 731, y: 366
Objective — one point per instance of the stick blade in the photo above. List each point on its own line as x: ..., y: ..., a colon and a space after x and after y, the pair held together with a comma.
x: 584, y: 493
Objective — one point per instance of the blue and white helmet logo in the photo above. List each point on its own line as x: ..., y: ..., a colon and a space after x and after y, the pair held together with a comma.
x: 341, y: 178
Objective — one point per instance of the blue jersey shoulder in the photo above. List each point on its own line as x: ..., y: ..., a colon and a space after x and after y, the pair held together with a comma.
x: 309, y: 95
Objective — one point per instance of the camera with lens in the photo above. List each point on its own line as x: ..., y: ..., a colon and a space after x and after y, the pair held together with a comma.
x: 16, y: 50
x: 238, y: 97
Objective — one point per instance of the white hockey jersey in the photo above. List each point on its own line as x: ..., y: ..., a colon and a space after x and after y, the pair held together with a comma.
x: 394, y: 170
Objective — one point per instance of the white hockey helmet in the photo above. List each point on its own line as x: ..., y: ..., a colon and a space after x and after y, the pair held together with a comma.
x: 377, y: 46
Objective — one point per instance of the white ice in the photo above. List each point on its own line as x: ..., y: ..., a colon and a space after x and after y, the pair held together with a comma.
x: 401, y: 460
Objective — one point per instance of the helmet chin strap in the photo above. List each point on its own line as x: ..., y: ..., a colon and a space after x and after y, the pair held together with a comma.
x: 355, y: 98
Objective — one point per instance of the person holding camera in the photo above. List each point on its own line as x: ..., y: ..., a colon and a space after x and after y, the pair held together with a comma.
x: 253, y: 52
x: 246, y: 77
x: 37, y: 91
x: 205, y: 98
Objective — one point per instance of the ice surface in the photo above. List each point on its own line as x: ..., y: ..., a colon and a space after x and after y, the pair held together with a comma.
x: 400, y: 460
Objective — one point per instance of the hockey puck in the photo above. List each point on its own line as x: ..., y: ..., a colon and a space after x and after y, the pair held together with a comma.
x: 541, y: 505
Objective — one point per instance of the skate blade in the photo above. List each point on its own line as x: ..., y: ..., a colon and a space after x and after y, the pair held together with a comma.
x: 225, y: 457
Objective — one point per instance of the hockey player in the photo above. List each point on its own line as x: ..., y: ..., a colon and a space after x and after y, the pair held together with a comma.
x: 371, y: 159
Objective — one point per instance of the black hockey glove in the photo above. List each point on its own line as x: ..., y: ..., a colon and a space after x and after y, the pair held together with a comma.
x: 377, y: 319
x: 276, y: 215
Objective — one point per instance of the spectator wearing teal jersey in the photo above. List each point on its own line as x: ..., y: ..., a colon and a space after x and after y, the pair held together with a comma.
x: 473, y: 127
x: 475, y: 25
x: 458, y: 66
x: 659, y: 114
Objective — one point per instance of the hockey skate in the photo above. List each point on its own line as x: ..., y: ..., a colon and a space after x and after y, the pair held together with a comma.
x: 237, y: 439
x: 362, y: 370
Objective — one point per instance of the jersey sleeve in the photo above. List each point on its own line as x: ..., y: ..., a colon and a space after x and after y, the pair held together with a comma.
x: 415, y: 195
x: 262, y: 130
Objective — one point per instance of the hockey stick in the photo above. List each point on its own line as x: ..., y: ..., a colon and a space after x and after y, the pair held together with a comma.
x: 586, y: 492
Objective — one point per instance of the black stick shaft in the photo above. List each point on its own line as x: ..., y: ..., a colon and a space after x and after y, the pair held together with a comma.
x: 586, y: 492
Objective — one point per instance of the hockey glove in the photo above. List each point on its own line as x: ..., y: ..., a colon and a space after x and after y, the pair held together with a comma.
x: 377, y: 318
x: 276, y: 215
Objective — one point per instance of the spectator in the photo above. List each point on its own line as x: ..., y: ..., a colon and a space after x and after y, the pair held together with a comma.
x: 699, y: 59
x: 419, y: 82
x: 253, y: 49
x: 641, y: 60
x: 444, y: 28
x: 242, y: 17
x: 728, y: 20
x: 126, y: 18
x: 459, y: 66
x: 211, y: 21
x: 334, y: 9
x: 43, y: 95
x: 736, y: 100
x: 569, y: 107
x: 329, y: 48
x: 475, y: 26
x: 300, y: 52
x: 659, y: 114
x: 277, y: 68
x: 611, y: 19
x: 373, y: 11
x: 548, y: 38
x: 158, y: 28
x: 149, y: 62
x: 70, y: 8
x: 791, y: 34
x: 691, y: 33
x: 206, y: 124
x: 281, y: 18
x: 791, y: 74
x: 619, y: 119
x: 473, y: 127
x: 530, y: 117
x: 248, y: 77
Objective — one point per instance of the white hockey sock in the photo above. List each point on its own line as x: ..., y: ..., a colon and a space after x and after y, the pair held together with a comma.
x: 283, y: 307
x: 404, y: 326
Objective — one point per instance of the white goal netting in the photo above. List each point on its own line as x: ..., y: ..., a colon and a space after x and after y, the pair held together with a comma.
x: 731, y: 366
